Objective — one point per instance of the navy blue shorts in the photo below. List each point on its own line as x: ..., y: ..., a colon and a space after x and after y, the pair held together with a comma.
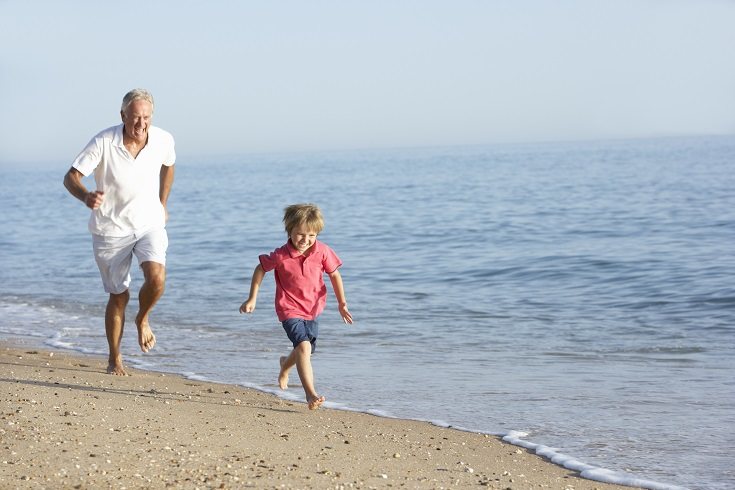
x: 299, y: 330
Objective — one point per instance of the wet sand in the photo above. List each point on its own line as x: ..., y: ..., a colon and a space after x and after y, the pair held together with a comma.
x: 65, y: 423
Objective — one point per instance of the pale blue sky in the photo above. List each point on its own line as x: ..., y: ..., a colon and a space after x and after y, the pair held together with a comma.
x: 271, y: 76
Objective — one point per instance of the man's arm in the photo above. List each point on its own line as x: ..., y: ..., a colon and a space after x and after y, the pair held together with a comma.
x: 73, y: 183
x: 167, y: 181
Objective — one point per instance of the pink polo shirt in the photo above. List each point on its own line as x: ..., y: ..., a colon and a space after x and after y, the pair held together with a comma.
x: 300, y: 288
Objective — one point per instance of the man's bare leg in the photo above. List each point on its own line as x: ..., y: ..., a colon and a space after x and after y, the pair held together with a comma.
x: 150, y: 293
x: 114, y: 326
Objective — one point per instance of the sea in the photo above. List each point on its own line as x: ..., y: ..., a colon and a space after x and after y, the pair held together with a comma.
x: 575, y: 298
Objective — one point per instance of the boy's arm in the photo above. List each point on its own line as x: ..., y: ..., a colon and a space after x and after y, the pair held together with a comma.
x: 339, y: 292
x: 249, y: 305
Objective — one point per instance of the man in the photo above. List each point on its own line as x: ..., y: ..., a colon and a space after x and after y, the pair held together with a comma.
x: 133, y: 165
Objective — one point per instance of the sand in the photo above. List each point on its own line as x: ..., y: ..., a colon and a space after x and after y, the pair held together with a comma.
x: 65, y: 423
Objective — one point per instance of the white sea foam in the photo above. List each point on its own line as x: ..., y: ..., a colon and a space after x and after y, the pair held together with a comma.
x: 585, y: 470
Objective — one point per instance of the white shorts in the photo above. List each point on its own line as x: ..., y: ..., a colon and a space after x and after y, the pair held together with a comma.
x: 114, y: 256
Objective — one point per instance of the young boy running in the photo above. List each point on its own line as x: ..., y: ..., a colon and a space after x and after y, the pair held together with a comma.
x: 300, y: 291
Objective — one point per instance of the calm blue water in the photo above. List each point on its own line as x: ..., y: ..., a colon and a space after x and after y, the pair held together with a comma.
x: 577, y: 296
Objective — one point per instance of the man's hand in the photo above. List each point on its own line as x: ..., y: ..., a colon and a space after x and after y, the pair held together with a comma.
x: 94, y: 199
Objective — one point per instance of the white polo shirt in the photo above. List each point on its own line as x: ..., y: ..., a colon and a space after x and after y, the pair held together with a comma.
x: 131, y: 203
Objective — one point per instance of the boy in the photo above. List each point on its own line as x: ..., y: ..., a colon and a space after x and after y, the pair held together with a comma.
x: 300, y: 291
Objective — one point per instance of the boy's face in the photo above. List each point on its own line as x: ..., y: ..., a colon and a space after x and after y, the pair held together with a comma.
x: 302, y: 238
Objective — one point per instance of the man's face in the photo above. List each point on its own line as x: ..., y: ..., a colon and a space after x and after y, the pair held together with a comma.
x: 137, y: 119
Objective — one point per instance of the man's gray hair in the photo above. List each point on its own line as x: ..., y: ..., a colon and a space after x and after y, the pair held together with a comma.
x: 136, y: 94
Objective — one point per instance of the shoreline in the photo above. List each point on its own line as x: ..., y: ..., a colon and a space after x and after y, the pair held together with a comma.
x: 66, y: 423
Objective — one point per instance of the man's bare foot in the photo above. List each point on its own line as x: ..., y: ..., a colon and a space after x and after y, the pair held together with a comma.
x: 116, y: 369
x: 146, y: 339
x: 283, y: 375
x: 316, y: 402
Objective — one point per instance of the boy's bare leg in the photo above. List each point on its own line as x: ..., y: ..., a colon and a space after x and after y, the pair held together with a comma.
x: 114, y: 326
x: 150, y: 293
x: 300, y: 356
x: 287, y: 362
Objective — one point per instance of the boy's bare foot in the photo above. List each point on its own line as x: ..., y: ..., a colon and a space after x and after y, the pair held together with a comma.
x: 316, y: 402
x: 116, y: 369
x: 146, y: 339
x: 283, y: 375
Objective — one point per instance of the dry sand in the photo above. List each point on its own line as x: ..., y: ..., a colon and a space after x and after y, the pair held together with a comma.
x: 65, y: 423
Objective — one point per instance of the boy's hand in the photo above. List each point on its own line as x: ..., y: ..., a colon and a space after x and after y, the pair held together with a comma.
x: 248, y: 306
x: 345, y: 314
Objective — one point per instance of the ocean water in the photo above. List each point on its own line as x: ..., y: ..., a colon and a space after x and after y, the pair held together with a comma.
x: 577, y: 298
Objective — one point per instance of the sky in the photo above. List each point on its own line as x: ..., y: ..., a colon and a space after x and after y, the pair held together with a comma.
x: 239, y: 77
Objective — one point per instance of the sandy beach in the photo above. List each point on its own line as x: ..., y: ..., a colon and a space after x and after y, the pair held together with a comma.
x: 65, y: 423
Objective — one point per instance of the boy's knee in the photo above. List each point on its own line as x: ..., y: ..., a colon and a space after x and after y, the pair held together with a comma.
x: 304, y: 347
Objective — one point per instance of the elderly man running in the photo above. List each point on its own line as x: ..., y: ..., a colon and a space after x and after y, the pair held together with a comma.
x: 133, y: 166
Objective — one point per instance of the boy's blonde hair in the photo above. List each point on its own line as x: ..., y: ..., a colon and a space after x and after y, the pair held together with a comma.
x: 308, y: 215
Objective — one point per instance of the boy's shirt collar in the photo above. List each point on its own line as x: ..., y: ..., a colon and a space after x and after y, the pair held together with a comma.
x: 293, y: 252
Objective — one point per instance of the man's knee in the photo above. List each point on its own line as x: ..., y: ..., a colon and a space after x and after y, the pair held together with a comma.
x: 155, y: 275
x: 120, y: 300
